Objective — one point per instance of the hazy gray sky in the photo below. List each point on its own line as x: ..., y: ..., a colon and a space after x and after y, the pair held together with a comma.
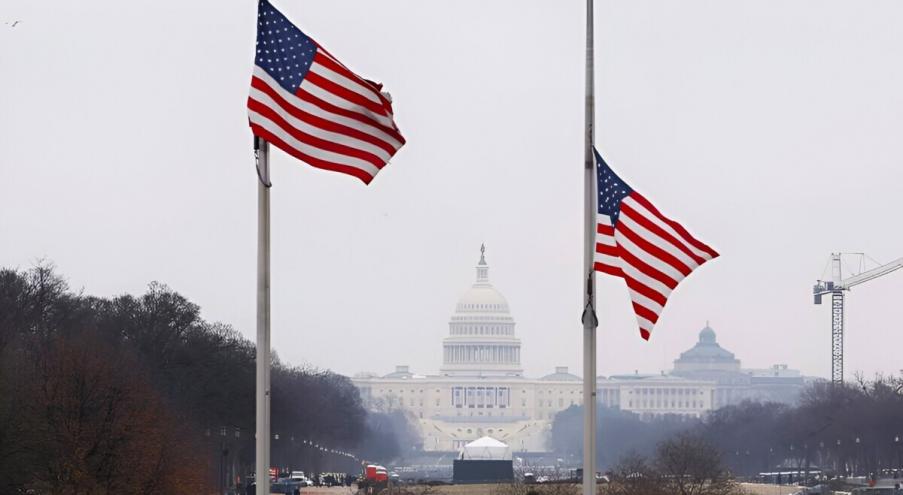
x: 772, y: 130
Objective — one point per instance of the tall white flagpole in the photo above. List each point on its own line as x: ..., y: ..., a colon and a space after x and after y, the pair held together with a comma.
x: 262, y: 443
x: 590, y: 321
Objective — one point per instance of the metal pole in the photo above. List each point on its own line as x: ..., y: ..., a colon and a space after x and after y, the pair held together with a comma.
x: 222, y: 465
x: 589, y: 247
x: 836, y: 322
x: 262, y: 468
x: 837, y: 297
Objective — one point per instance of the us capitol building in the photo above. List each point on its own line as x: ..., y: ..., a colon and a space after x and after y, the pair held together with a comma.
x: 481, y: 389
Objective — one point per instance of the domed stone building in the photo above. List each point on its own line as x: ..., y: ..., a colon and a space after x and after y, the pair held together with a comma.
x: 481, y: 389
x: 707, y: 355
x: 481, y: 337
x: 708, y: 361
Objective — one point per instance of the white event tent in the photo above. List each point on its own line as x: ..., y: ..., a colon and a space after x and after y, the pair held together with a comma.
x: 485, y: 449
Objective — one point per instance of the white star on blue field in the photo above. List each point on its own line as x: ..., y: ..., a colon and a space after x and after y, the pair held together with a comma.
x: 612, y: 190
x: 283, y: 51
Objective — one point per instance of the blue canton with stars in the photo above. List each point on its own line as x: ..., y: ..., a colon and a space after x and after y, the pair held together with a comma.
x: 283, y: 51
x: 612, y: 190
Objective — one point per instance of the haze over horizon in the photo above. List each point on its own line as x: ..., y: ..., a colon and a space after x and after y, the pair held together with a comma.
x: 748, y: 123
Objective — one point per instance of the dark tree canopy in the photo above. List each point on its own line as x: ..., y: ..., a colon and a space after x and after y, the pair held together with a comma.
x: 855, y: 428
x: 97, y: 392
x: 619, y: 433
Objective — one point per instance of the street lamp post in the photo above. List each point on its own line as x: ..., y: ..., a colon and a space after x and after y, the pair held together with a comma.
x: 292, y: 453
x: 222, y: 459
x: 796, y: 461
x: 276, y: 460
x: 768, y: 461
x: 897, y: 446
x: 233, y: 471
x: 838, y: 462
x: 821, y: 456
x: 806, y: 451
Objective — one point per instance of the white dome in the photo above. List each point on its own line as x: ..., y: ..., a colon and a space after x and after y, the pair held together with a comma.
x: 482, y: 299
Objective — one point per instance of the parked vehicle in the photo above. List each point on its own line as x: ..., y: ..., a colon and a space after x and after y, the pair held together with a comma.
x: 376, y: 474
x: 301, y: 478
x: 286, y: 486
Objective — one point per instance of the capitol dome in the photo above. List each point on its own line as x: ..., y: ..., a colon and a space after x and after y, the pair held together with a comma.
x: 482, y: 300
x: 481, y: 337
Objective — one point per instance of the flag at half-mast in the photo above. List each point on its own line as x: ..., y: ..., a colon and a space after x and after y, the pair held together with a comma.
x: 636, y: 242
x: 310, y: 105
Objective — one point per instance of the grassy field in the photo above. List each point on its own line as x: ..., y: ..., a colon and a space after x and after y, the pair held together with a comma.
x: 755, y: 489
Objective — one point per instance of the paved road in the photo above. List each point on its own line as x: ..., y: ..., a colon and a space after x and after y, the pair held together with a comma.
x: 752, y: 488
x: 322, y: 490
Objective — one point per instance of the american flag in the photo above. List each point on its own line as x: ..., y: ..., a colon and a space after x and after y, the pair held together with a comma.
x: 634, y: 241
x: 311, y: 106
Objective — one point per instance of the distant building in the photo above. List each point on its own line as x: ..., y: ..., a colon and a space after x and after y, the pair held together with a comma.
x: 656, y: 395
x: 480, y: 389
x: 710, y: 362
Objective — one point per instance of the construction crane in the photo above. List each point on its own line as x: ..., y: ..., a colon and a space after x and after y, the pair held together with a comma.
x: 836, y: 287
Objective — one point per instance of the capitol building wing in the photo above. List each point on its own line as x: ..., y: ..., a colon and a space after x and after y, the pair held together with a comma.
x: 481, y: 390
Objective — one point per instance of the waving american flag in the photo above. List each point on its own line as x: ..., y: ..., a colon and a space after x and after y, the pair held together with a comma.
x: 634, y: 241
x: 308, y: 104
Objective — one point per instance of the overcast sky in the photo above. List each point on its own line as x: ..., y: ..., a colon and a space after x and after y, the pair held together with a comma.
x: 772, y: 130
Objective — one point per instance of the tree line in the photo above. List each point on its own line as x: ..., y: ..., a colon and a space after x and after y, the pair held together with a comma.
x: 619, y: 433
x: 850, y: 429
x: 137, y: 394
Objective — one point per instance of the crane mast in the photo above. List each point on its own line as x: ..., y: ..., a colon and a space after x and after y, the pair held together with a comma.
x: 837, y: 287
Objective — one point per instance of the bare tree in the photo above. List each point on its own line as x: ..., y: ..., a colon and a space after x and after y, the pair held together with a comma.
x: 98, y: 427
x: 691, y: 466
x: 120, y: 395
x: 633, y: 475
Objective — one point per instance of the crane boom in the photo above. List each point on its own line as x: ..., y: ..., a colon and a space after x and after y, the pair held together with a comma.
x: 872, y: 274
x: 836, y: 287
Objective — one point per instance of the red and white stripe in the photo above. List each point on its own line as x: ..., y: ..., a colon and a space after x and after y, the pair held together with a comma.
x: 651, y: 252
x: 336, y: 120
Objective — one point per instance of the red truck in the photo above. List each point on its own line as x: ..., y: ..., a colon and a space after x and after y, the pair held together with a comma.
x: 375, y: 473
